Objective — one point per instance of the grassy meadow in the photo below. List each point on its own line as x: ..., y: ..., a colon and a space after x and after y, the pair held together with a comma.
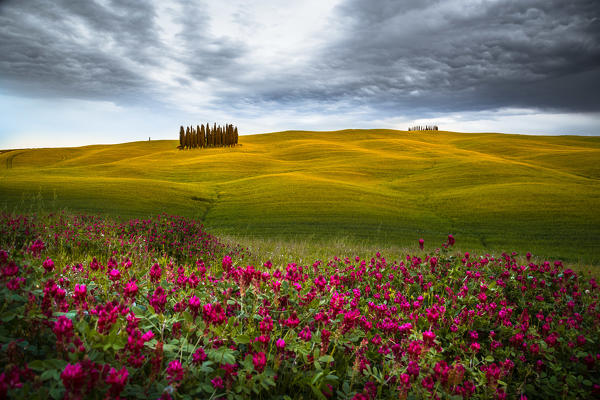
x: 379, y: 188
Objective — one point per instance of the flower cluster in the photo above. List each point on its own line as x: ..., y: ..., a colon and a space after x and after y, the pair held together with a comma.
x: 157, y: 308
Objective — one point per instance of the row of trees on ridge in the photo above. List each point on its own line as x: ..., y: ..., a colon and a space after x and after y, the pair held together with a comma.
x: 423, y: 128
x: 205, y: 136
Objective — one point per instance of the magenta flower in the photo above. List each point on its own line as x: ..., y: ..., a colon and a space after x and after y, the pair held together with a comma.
x: 428, y: 383
x: 260, y: 361
x: 155, y: 273
x: 73, y: 378
x: 194, y: 304
x: 130, y: 290
x: 80, y: 292
x: 227, y: 263
x: 117, y: 381
x: 421, y: 243
x: 199, y: 356
x: 451, y: 240
x: 266, y: 325
x: 217, y: 382
x: 413, y: 368
x: 174, y: 372
x: 114, y: 275
x: 305, y: 334
x: 63, y: 329
x: 280, y: 344
x: 158, y: 300
x: 428, y: 337
x: 48, y: 265
x: 146, y: 337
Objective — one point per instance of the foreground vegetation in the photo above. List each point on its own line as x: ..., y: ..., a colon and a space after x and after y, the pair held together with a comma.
x: 157, y: 308
x: 379, y: 187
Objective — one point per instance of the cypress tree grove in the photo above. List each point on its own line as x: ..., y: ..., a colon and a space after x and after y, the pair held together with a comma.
x: 204, y: 136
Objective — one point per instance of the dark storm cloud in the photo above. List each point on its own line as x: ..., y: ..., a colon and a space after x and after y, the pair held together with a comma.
x: 205, y: 56
x: 101, y: 49
x: 426, y: 56
x: 449, y: 56
x: 54, y: 48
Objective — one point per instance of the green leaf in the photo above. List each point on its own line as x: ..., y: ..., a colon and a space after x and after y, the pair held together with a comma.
x: 346, y: 387
x: 56, y: 364
x: 317, y: 377
x: 50, y: 373
x: 207, y: 388
x: 37, y: 365
x: 8, y: 318
x: 242, y: 339
x: 326, y: 359
x: 56, y: 393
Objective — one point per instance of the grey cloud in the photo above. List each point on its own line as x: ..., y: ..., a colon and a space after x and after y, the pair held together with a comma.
x: 54, y: 48
x: 419, y: 56
x: 206, y: 56
x: 449, y: 56
x: 101, y: 50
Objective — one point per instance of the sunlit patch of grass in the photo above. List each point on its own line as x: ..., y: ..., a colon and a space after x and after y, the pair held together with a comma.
x: 493, y: 191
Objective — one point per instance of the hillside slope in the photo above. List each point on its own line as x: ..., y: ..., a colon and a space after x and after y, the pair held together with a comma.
x: 492, y: 191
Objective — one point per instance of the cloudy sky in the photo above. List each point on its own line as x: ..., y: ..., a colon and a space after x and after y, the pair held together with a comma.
x: 78, y: 72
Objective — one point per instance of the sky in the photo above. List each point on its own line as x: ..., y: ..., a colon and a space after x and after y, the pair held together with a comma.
x: 100, y: 71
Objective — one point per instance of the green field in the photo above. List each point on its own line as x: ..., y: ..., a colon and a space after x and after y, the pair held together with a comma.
x: 381, y: 187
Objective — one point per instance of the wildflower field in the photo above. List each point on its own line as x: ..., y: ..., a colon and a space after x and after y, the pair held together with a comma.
x: 94, y: 307
x: 380, y: 187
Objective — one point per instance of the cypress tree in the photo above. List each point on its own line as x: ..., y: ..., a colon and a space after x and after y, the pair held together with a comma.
x: 181, y: 137
x: 202, y: 137
x: 235, y: 134
x: 187, y: 137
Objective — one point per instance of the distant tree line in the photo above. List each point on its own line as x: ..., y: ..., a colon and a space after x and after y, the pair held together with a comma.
x: 204, y: 136
x: 423, y: 128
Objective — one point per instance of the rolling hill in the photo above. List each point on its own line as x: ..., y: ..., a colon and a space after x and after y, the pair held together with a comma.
x: 492, y: 191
